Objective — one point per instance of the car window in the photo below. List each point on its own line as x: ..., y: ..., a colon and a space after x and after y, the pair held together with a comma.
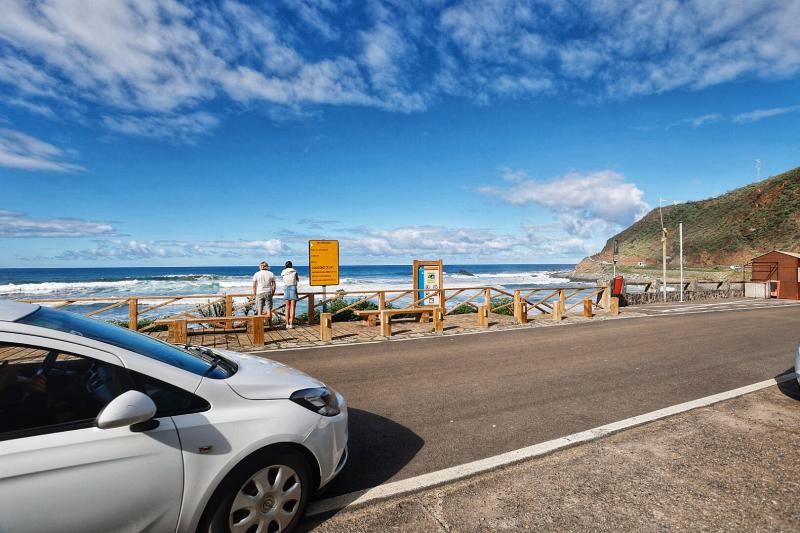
x: 190, y: 360
x: 46, y: 391
x: 169, y: 399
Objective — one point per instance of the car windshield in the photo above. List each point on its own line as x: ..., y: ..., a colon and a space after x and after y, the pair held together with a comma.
x: 200, y: 361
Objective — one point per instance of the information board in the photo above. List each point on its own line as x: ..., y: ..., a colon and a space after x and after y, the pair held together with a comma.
x: 323, y: 262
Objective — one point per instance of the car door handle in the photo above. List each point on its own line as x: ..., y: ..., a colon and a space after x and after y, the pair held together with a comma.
x: 147, y: 425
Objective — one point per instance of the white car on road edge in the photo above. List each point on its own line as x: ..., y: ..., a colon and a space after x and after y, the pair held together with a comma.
x: 105, y: 429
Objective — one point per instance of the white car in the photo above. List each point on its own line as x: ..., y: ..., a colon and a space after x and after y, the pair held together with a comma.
x: 105, y: 429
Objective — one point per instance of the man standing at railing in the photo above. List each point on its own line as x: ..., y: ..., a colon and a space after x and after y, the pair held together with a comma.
x: 263, y: 289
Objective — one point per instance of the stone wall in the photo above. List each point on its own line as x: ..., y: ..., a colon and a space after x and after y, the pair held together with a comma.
x: 650, y: 297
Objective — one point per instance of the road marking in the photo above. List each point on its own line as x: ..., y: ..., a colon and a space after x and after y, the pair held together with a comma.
x: 448, y: 475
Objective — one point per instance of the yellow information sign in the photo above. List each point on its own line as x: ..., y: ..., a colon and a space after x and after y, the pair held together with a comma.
x: 323, y: 262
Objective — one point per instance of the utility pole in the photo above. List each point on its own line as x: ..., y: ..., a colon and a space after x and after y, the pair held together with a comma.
x: 680, y: 233
x: 663, y: 250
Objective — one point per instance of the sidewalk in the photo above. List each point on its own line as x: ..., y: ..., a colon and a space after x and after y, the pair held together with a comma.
x: 734, y: 466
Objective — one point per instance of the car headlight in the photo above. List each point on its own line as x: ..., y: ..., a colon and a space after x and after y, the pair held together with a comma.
x: 320, y: 400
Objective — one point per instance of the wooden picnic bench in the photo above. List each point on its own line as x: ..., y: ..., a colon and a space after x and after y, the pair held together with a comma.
x: 178, y: 332
x: 372, y: 315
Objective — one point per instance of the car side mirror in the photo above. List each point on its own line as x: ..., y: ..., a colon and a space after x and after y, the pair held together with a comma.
x: 127, y: 409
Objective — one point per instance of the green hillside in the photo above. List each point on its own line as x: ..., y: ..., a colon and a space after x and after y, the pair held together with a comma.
x: 727, y: 230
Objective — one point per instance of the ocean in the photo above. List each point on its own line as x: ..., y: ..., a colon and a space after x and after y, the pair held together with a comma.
x: 127, y: 281
x: 18, y: 283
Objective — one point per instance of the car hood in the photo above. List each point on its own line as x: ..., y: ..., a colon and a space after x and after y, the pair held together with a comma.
x: 259, y: 378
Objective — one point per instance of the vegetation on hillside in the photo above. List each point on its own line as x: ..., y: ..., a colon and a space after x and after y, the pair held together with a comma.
x: 730, y: 229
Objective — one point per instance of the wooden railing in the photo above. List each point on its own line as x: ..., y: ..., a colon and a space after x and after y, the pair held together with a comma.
x: 148, y: 309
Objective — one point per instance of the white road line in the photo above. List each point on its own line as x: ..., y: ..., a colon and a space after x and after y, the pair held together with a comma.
x: 405, y: 486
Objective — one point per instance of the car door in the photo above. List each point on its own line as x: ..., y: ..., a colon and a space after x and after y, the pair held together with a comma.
x: 58, y: 471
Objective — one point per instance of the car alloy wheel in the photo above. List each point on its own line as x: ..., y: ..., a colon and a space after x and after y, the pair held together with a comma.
x: 267, y: 502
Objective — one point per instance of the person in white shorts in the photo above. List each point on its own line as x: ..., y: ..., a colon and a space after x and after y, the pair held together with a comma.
x: 263, y: 289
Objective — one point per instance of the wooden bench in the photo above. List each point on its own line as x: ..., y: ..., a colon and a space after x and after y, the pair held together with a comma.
x: 178, y: 332
x: 372, y: 315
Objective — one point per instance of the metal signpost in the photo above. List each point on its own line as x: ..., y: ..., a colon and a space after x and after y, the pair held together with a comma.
x: 323, y: 265
x: 616, y: 255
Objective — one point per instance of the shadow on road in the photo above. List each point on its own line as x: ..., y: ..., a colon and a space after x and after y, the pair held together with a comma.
x: 790, y: 388
x: 379, y: 448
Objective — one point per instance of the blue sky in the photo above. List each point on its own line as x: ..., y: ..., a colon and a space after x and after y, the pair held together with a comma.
x: 198, y: 133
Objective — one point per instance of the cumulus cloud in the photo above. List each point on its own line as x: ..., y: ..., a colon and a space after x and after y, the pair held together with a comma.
x: 145, y: 58
x: 117, y: 249
x: 760, y: 114
x: 22, y: 225
x: 597, y: 196
x: 19, y: 150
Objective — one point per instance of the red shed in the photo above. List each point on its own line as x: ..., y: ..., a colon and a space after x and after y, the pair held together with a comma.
x: 782, y: 267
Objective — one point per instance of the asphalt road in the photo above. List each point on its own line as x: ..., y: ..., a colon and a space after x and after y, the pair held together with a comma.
x: 422, y: 405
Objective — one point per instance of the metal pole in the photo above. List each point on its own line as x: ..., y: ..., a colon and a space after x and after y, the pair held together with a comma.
x: 664, y: 260
x: 680, y: 230
x: 324, y: 297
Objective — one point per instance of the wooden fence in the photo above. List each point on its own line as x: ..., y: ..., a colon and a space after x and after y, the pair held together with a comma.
x: 212, y: 310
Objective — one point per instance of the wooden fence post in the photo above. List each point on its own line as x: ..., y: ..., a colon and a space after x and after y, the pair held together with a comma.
x: 381, y: 301
x: 228, y: 311
x: 562, y: 301
x: 487, y: 298
x: 257, y: 325
x: 614, y: 307
x: 325, y: 327
x: 517, y: 305
x: 438, y: 321
x: 483, y: 316
x: 177, y: 333
x: 557, y: 310
x: 386, y: 324
x: 588, y: 312
x: 311, y: 318
x: 133, y: 314
x: 523, y: 313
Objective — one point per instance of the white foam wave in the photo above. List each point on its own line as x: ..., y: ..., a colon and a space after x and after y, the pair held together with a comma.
x: 88, y: 287
x: 211, y: 284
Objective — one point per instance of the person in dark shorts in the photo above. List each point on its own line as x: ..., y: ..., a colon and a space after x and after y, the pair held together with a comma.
x: 263, y: 289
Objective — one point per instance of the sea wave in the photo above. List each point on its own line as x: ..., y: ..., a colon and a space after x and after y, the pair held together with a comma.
x: 88, y: 287
x: 213, y: 284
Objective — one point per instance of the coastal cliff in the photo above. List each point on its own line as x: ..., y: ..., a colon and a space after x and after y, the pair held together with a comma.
x: 730, y: 229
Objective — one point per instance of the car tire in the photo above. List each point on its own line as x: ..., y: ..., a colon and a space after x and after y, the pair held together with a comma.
x: 264, y: 490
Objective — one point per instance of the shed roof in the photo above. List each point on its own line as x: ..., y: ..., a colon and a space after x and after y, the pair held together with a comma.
x: 792, y: 254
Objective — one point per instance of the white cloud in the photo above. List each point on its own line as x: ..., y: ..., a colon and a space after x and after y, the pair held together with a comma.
x: 140, y: 59
x: 410, y: 240
x: 174, y: 127
x: 19, y: 150
x: 20, y: 225
x: 116, y: 249
x: 709, y: 118
x: 759, y: 114
x: 602, y: 195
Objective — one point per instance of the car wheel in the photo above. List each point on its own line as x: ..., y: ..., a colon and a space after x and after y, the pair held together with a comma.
x: 266, y: 493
